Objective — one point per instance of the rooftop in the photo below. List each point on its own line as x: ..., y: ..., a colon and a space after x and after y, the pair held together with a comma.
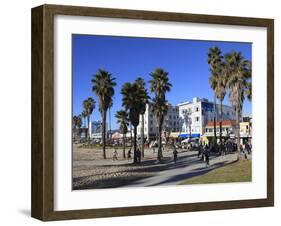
x: 224, y: 123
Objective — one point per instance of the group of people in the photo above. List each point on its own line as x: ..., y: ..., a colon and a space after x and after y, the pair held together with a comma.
x: 129, y: 154
x: 204, y: 153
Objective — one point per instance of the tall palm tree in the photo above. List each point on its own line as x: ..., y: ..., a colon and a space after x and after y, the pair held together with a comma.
x: 76, y: 124
x: 74, y: 121
x: 159, y: 109
x: 103, y: 87
x: 132, y: 96
x: 123, y: 119
x: 79, y: 121
x: 220, y: 90
x: 89, y: 105
x: 249, y: 91
x: 84, y: 116
x: 214, y: 60
x: 159, y: 85
x: 144, y: 101
x: 239, y: 77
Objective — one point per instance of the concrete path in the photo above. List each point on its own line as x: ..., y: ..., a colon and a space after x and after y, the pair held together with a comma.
x: 188, y: 165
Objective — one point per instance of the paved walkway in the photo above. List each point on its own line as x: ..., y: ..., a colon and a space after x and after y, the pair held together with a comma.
x: 187, y: 166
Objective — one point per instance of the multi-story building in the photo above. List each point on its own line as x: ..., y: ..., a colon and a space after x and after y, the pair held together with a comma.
x: 95, y: 129
x: 194, y: 116
x: 171, y: 123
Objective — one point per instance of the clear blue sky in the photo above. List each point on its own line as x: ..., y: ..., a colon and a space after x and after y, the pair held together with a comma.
x: 127, y: 58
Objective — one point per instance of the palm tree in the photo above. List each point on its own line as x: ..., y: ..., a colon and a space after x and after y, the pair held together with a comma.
x: 239, y: 78
x: 159, y: 85
x: 123, y: 119
x: 144, y: 101
x: 76, y: 123
x: 249, y: 91
x: 103, y: 87
x: 214, y: 60
x: 132, y: 96
x: 159, y: 109
x: 220, y: 90
x: 84, y: 116
x: 79, y: 121
x: 89, y: 105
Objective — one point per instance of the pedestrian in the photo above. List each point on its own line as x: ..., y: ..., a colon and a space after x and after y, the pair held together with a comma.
x: 138, y: 154
x: 247, y: 148
x: 175, y: 152
x: 205, y: 149
x: 115, y: 155
x: 207, y: 156
x: 223, y: 148
x: 129, y: 154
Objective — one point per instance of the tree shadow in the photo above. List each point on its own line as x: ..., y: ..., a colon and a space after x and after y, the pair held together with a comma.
x: 193, y: 173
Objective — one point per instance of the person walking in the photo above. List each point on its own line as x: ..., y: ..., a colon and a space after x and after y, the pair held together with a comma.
x: 207, y: 158
x: 115, y: 154
x: 175, y: 153
x: 138, y: 153
x: 247, y: 148
x: 129, y: 154
x: 205, y: 149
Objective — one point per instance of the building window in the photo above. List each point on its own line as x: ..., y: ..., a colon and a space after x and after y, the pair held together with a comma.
x: 197, y: 109
x: 197, y: 119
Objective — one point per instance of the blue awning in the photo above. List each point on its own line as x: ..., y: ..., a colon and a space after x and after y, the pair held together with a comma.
x: 185, y: 135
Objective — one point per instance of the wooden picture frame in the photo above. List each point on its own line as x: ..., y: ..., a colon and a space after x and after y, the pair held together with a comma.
x: 43, y: 112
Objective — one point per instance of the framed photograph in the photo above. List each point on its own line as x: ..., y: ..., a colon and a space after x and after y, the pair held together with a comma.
x: 142, y: 112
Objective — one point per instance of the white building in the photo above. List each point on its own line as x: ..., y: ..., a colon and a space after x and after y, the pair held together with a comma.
x: 95, y: 129
x: 194, y: 116
x: 171, y: 122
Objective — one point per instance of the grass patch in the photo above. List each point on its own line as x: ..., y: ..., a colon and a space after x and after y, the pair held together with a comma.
x: 240, y: 171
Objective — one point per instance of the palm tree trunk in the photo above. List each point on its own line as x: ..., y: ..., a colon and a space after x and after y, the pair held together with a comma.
x: 189, y: 127
x: 238, y: 132
x: 215, y: 121
x: 142, y: 135
x: 135, y: 144
x: 104, y: 133
x: 131, y: 135
x: 124, y: 145
x: 221, y: 126
x: 159, y: 155
x: 88, y: 132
